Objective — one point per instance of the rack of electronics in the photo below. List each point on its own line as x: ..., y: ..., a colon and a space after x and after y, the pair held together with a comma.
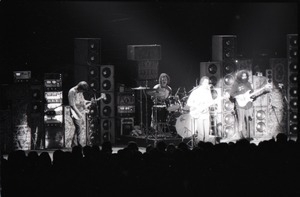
x: 53, y: 111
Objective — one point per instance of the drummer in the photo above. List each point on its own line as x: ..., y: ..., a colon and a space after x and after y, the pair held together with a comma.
x: 164, y: 91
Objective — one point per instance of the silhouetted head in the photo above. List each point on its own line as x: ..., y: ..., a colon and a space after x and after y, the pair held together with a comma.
x: 82, y: 86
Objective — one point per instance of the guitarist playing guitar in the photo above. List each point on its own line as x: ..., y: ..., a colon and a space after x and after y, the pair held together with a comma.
x: 199, y: 102
x: 79, y: 106
x: 242, y: 93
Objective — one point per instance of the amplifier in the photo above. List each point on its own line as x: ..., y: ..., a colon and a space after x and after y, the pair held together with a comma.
x: 126, y: 109
x: 126, y: 125
x: 126, y: 98
x: 22, y: 76
x: 53, y: 81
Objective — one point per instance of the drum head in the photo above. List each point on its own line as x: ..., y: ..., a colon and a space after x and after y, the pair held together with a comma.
x: 184, y: 126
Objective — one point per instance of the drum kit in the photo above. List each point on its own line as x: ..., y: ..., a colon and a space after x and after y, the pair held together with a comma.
x: 174, y: 113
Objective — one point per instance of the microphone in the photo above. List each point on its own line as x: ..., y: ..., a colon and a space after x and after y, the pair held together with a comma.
x: 196, y: 81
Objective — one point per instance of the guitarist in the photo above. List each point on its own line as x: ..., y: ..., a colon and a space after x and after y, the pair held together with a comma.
x: 199, y: 101
x: 78, y: 105
x: 244, y: 113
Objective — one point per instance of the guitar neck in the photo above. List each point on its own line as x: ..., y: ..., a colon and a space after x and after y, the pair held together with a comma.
x: 256, y: 91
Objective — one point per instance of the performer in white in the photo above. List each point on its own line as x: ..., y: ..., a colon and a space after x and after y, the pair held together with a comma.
x: 199, y: 102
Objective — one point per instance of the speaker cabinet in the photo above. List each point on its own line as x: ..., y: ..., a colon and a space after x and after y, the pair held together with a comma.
x: 144, y: 52
x: 107, y: 106
x: 223, y: 47
x: 127, y: 125
x: 87, y: 61
x: 279, y: 71
x: 5, y: 131
x: 211, y: 70
x: 260, y: 121
x: 87, y: 51
x: 292, y: 91
x: 107, y: 130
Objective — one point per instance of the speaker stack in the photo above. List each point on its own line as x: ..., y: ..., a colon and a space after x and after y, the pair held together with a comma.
x: 224, y: 51
x: 292, y: 91
x: 20, y: 110
x: 35, y: 121
x: 87, y: 58
x: 276, y: 77
x: 107, y: 105
x: 260, y: 107
x: 214, y: 72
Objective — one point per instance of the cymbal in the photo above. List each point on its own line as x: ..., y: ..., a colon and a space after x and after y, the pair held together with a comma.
x: 140, y: 88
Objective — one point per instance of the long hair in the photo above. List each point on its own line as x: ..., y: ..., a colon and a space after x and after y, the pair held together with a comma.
x: 83, y: 86
x: 239, y: 75
x: 164, y: 75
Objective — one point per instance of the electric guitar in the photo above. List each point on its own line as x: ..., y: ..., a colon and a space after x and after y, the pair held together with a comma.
x: 88, y: 104
x: 196, y: 112
x: 94, y: 101
x: 243, y: 99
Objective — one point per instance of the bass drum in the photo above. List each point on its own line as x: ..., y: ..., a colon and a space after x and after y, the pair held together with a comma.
x: 184, y: 126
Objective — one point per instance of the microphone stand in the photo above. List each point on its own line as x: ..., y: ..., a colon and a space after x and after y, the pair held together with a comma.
x: 146, y: 113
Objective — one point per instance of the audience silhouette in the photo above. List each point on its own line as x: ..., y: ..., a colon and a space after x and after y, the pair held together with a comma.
x: 270, y: 168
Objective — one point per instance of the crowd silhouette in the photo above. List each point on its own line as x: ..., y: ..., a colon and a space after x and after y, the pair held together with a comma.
x: 270, y: 168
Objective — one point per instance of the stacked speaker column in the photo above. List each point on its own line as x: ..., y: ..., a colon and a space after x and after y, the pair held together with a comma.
x: 276, y: 77
x: 214, y: 72
x: 292, y: 92
x: 107, y: 106
x: 224, y: 51
x: 87, y: 58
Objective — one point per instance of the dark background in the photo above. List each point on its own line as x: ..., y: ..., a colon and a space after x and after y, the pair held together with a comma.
x: 39, y: 36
